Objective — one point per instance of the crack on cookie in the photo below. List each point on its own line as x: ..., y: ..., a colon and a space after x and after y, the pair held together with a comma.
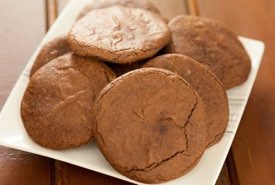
x: 188, y: 121
x: 138, y: 115
x: 155, y: 165
x: 62, y: 68
x: 67, y: 100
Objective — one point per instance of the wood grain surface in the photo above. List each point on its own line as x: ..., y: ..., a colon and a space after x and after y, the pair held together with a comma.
x: 253, y: 149
x: 22, y: 28
x: 24, y: 168
x: 251, y: 160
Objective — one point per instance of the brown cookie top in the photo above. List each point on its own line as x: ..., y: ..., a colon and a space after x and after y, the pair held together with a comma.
x: 57, y: 104
x: 210, y: 43
x: 150, y: 125
x: 207, y: 85
x: 119, y: 34
x: 144, y: 4
x: 51, y: 50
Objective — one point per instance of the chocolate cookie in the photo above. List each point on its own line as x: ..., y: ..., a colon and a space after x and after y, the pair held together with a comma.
x: 208, y: 86
x: 150, y: 125
x: 119, y: 34
x: 51, y: 50
x: 57, y: 104
x: 212, y: 44
x: 144, y: 4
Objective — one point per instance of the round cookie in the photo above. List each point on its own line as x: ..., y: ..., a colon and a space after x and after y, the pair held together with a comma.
x: 207, y: 85
x: 51, y: 50
x: 210, y: 43
x: 150, y: 125
x: 143, y: 4
x: 119, y: 34
x: 57, y: 104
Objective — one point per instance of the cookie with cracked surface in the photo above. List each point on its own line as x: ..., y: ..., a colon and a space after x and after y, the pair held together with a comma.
x: 150, y: 125
x: 210, y: 43
x: 207, y: 85
x: 51, y: 50
x: 57, y: 105
x: 143, y: 4
x: 119, y: 34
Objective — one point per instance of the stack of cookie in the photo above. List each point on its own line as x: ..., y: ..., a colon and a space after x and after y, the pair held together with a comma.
x: 151, y: 93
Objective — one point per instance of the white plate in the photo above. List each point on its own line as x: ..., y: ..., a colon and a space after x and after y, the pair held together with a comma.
x: 13, y: 134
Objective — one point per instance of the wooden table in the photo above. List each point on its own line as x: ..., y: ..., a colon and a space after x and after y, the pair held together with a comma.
x: 251, y: 158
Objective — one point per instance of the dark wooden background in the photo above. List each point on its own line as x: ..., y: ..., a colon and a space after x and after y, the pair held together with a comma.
x: 251, y: 158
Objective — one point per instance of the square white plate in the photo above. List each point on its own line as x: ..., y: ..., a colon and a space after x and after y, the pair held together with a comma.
x: 13, y: 134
